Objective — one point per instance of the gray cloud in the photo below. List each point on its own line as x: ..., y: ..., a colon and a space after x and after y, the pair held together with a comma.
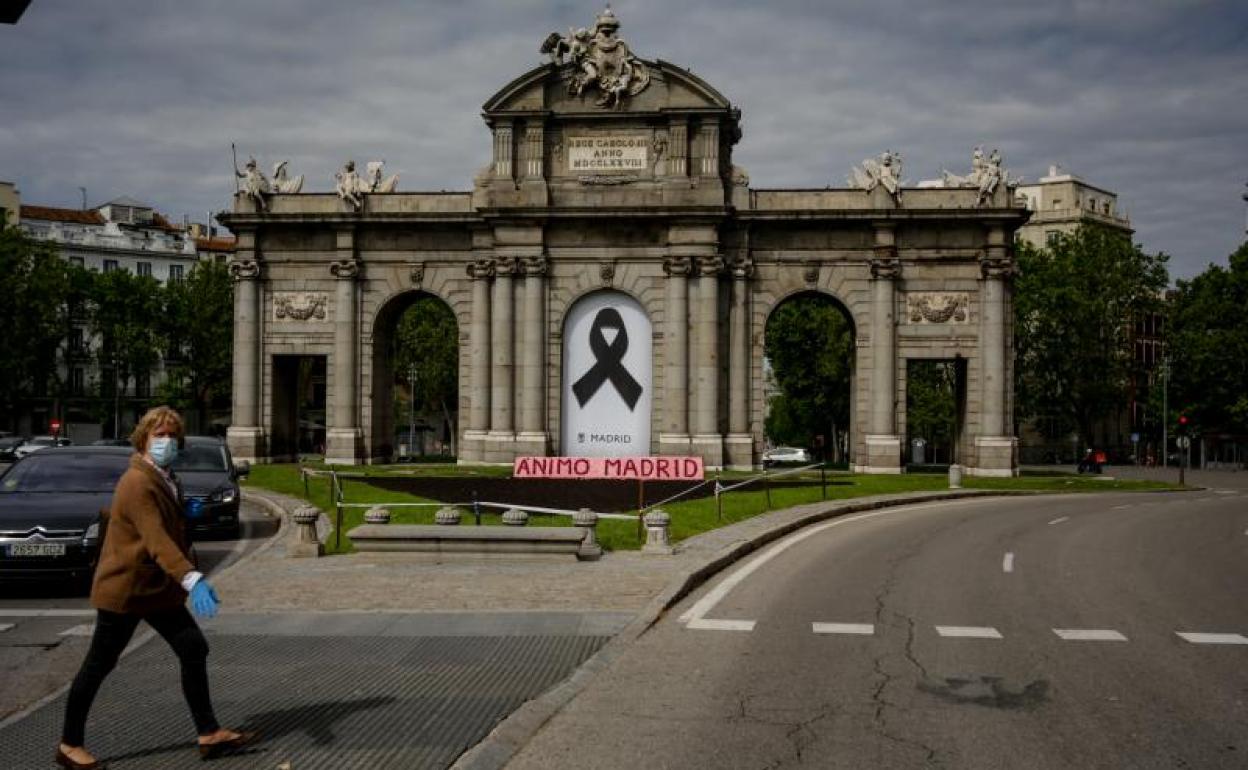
x: 144, y: 98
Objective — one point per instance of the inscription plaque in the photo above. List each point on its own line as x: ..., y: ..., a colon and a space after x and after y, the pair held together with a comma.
x: 607, y: 153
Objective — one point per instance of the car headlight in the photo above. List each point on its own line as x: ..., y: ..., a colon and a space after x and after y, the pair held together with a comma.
x: 223, y: 495
x: 92, y: 535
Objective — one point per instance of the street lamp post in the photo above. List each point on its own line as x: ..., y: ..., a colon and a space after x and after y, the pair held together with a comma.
x: 411, y: 411
x: 1165, y: 410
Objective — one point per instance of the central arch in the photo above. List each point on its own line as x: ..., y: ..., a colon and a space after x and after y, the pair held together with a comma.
x: 416, y: 362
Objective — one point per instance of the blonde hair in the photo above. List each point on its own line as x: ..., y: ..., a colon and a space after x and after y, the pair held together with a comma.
x: 156, y: 417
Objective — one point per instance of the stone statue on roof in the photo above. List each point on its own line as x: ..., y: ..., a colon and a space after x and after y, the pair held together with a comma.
x: 883, y: 170
x: 349, y: 186
x: 376, y: 182
x: 283, y: 183
x: 985, y: 177
x: 601, y: 60
x: 255, y: 185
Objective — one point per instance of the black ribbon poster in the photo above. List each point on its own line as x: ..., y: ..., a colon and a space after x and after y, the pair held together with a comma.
x: 608, y: 361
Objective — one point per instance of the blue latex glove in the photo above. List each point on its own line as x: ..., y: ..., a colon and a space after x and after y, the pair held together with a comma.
x: 204, y: 600
x: 194, y: 508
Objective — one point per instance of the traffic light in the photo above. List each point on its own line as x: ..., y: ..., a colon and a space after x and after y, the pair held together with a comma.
x: 55, y: 426
x: 1182, y: 422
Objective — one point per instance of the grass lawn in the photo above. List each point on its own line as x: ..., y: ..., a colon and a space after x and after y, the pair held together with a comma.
x: 689, y: 517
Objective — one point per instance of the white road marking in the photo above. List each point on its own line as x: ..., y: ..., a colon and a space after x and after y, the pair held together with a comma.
x: 707, y: 603
x: 83, y: 629
x: 54, y: 613
x: 969, y: 632
x: 704, y: 624
x: 1225, y: 492
x: 5, y: 627
x: 1089, y: 635
x: 1007, y: 564
x: 1201, y: 638
x: 1120, y: 507
x: 1060, y: 519
x: 864, y: 629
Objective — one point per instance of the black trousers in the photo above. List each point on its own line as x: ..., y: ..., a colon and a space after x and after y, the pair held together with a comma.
x: 113, y: 631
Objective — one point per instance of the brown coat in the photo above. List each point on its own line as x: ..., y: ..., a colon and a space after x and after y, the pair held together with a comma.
x: 146, y: 551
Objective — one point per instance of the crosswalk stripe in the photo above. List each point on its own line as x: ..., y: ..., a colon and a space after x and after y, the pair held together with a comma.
x: 864, y: 629
x: 1089, y: 635
x: 969, y: 632
x: 1203, y: 638
x: 706, y: 624
x: 83, y: 629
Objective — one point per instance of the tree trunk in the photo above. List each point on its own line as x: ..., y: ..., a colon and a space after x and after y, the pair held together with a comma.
x: 446, y: 413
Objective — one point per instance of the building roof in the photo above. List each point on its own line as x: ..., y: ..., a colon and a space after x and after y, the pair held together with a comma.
x: 215, y: 244
x: 126, y: 200
x: 50, y: 214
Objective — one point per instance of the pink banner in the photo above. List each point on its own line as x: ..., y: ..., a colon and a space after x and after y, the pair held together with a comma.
x: 643, y: 468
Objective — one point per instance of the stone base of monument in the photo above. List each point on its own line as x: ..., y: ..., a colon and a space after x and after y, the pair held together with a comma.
x: 344, y: 446
x: 883, y: 455
x: 246, y: 444
x: 674, y: 444
x: 739, y: 451
x: 711, y: 447
x: 994, y: 457
x: 431, y: 542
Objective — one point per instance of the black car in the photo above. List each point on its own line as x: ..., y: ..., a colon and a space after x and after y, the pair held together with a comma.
x: 210, y: 486
x: 7, y: 446
x: 50, y: 511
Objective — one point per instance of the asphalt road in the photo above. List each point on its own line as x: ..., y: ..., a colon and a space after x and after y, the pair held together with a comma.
x: 45, y: 629
x: 942, y: 647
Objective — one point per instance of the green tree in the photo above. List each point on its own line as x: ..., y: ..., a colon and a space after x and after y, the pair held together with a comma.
x: 1074, y: 304
x: 34, y: 284
x: 427, y: 344
x: 931, y: 402
x: 1208, y: 347
x: 809, y: 346
x: 126, y: 317
x: 198, y: 340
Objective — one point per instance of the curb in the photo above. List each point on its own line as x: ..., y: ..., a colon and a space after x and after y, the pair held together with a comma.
x: 270, y: 506
x: 510, y: 735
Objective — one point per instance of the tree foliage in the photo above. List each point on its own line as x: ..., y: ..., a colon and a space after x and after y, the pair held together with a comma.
x: 931, y: 401
x: 809, y: 345
x: 34, y: 285
x: 198, y: 339
x: 1208, y: 347
x: 427, y: 346
x: 125, y: 314
x: 1074, y: 304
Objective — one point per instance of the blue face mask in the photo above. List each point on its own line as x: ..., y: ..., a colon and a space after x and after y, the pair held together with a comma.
x: 163, y: 450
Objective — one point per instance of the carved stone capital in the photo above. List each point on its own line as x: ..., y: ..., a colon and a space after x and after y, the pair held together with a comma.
x: 998, y: 267
x: 678, y: 266
x: 885, y: 264
x: 480, y: 270
x: 810, y: 273
x: 508, y: 266
x: 417, y: 274
x: 536, y: 267
x: 710, y: 266
x: 244, y: 269
x: 346, y: 269
x: 742, y: 268
x: 606, y: 271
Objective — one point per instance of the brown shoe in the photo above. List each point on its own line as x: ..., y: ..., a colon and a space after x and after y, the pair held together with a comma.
x: 69, y: 763
x: 227, y: 747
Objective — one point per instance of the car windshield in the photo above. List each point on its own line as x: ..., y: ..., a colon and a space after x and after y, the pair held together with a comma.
x: 200, y: 457
x: 68, y: 472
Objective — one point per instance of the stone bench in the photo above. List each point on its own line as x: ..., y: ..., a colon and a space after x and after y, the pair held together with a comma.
x: 501, y: 542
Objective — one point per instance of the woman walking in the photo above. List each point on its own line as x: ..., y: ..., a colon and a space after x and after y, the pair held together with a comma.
x: 145, y: 573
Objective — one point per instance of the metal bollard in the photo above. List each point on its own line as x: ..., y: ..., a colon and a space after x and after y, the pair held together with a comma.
x: 587, y: 521
x: 657, y: 538
x: 514, y: 517
x: 955, y: 476
x: 305, y: 544
x: 377, y: 515
x: 448, y: 516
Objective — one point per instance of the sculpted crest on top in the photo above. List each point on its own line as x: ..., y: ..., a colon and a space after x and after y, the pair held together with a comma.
x: 601, y: 60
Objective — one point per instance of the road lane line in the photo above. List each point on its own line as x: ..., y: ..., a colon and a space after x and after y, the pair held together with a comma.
x: 1059, y: 520
x: 1089, y: 635
x: 706, y: 624
x: 1120, y: 507
x: 83, y: 629
x: 53, y: 613
x: 715, y: 595
x: 969, y: 632
x: 5, y: 627
x: 1202, y: 638
x: 863, y: 629
x: 1007, y: 564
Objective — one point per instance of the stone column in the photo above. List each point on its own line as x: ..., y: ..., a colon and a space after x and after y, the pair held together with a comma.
x: 502, y: 363
x: 504, y: 150
x: 707, y: 440
x: 245, y: 435
x: 674, y: 435
x: 994, y: 445
x: 678, y: 148
x: 532, y: 439
x: 739, y: 443
x: 473, y: 445
x: 883, y: 442
x: 343, y: 437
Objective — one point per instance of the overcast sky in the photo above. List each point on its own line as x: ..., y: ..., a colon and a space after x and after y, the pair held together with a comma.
x: 1148, y: 98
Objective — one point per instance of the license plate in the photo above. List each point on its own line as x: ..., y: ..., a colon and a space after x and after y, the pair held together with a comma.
x: 37, y: 549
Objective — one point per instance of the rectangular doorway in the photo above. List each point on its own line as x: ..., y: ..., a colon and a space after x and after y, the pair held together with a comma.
x: 935, y: 412
x: 298, y: 426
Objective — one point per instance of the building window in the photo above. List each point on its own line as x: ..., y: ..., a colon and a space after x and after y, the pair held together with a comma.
x: 143, y: 385
x: 1057, y: 203
x: 77, y: 262
x: 145, y: 268
x: 76, y: 345
x: 175, y: 273
x: 110, y: 265
x: 1051, y: 236
x: 77, y: 381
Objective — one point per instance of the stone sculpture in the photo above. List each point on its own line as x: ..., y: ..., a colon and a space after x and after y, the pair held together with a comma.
x: 376, y: 182
x: 601, y: 59
x: 283, y: 183
x: 349, y: 186
x: 882, y: 171
x: 255, y: 185
x: 986, y: 175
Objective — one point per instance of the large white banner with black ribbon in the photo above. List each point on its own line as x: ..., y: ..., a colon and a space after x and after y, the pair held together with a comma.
x: 607, y: 377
